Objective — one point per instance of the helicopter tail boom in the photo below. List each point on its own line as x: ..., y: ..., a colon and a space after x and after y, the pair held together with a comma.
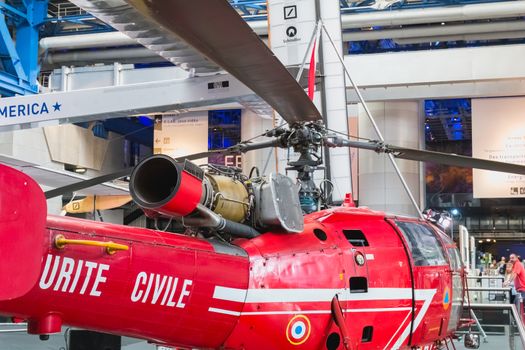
x: 110, y: 278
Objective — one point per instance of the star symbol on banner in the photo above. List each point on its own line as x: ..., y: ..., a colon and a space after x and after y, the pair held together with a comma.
x: 56, y: 107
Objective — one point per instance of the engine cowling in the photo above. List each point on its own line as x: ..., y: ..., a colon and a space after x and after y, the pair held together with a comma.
x: 216, y: 198
x: 162, y: 185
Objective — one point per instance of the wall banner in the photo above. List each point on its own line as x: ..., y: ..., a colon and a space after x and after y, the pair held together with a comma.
x: 498, y: 133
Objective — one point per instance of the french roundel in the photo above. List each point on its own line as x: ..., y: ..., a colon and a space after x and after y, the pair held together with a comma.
x: 298, y: 330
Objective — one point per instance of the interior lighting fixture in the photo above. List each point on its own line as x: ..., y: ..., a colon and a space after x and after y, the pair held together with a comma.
x: 80, y: 170
x: 75, y: 168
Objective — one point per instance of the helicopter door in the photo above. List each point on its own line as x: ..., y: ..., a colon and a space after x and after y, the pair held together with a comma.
x: 456, y: 271
x: 355, y: 261
x: 430, y: 269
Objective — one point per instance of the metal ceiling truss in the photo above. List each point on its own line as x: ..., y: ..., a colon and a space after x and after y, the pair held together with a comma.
x: 19, y: 66
x: 250, y: 9
x: 75, y: 24
x: 66, y: 18
x: 351, y: 6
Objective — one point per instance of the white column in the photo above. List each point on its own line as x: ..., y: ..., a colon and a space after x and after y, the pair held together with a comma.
x: 253, y: 125
x: 379, y: 185
x: 292, y: 23
x: 301, y: 15
x: 335, y: 109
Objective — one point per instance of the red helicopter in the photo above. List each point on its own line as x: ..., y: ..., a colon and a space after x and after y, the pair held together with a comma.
x: 251, y: 271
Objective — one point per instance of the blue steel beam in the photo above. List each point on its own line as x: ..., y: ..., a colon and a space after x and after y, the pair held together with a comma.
x: 10, y: 85
x: 27, y: 37
x: 11, y: 61
x: 20, y: 59
x: 12, y: 11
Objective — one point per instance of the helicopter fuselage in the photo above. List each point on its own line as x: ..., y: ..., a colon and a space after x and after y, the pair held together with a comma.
x: 275, y: 291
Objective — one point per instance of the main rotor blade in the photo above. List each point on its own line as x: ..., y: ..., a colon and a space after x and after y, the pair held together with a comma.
x: 77, y: 186
x: 217, y: 31
x: 455, y: 160
x: 430, y: 156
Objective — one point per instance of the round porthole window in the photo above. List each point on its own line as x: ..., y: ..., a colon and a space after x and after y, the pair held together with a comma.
x: 359, y: 259
x: 333, y: 341
x: 320, y: 234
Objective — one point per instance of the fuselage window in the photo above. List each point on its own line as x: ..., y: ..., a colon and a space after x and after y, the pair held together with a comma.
x: 425, y: 248
x: 367, y: 334
x: 356, y: 238
x: 358, y: 285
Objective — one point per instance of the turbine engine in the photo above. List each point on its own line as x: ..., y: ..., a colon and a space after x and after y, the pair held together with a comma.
x: 219, y: 200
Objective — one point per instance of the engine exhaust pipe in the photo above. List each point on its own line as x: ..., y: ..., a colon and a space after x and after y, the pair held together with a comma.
x: 161, y: 184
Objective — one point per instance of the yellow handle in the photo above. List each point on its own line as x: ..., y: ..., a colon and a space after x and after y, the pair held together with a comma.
x: 111, y: 248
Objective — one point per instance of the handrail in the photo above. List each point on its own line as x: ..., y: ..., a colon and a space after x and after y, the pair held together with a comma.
x: 12, y: 327
x: 521, y: 328
x: 487, y: 289
x: 111, y: 247
x: 8, y: 324
x: 511, y: 307
x: 485, y: 277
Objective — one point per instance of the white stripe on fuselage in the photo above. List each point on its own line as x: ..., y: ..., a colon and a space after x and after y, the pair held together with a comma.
x: 303, y: 312
x: 398, y: 329
x: 308, y: 295
x: 420, y: 294
x: 230, y: 294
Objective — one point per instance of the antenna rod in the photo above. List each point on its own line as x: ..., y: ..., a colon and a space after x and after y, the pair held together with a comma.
x: 376, y: 128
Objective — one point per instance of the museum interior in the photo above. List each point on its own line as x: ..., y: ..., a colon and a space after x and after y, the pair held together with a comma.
x: 262, y: 174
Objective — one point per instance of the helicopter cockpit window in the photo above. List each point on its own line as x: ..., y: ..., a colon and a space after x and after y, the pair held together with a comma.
x: 423, y: 244
x: 455, y: 260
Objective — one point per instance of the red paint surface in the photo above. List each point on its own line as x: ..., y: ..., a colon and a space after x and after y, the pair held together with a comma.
x: 186, y: 198
x: 236, y: 302
x: 311, y: 72
x: 22, y: 225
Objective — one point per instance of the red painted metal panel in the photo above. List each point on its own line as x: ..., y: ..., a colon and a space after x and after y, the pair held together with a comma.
x: 22, y: 225
x: 153, y: 291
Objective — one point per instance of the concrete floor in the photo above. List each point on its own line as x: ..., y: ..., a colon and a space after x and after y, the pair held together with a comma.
x: 22, y: 341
